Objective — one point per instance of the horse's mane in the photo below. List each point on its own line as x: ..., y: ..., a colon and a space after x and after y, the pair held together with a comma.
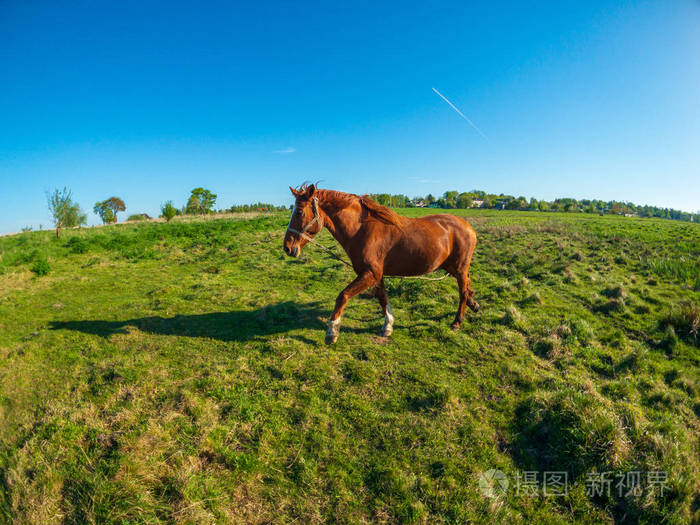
x: 379, y: 212
x: 375, y: 211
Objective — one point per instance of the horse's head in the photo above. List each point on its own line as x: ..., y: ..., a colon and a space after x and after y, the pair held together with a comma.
x: 305, y: 222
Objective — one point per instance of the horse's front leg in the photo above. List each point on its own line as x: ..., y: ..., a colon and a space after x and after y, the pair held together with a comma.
x: 380, y: 292
x: 361, y: 282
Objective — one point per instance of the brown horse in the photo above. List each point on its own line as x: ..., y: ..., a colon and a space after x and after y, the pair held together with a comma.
x: 380, y: 242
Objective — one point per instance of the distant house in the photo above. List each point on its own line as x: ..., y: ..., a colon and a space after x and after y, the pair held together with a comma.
x: 476, y: 203
x: 420, y: 203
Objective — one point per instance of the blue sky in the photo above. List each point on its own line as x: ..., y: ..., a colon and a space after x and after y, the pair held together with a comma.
x: 147, y: 100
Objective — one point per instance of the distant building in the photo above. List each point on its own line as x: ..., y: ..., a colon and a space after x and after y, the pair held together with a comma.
x: 476, y: 203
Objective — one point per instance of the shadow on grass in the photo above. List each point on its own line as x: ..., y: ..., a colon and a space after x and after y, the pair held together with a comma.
x: 237, y: 325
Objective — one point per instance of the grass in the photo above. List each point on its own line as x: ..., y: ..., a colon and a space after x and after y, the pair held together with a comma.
x: 176, y: 372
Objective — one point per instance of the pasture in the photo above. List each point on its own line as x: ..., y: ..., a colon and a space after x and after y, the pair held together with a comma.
x: 176, y: 373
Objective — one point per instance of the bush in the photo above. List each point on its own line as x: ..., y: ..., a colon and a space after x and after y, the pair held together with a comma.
x: 26, y: 257
x: 77, y: 245
x: 139, y: 217
x: 41, y: 267
x: 168, y: 211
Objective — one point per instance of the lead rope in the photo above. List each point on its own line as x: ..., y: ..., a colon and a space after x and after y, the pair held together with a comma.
x: 339, y: 258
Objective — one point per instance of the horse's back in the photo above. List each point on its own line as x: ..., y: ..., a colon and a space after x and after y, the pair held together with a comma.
x: 457, y: 226
x: 428, y: 243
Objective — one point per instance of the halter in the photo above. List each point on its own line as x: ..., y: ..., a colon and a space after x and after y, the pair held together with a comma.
x: 317, y: 217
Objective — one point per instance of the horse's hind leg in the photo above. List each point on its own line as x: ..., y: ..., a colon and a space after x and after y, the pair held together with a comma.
x: 466, y: 297
x: 380, y: 292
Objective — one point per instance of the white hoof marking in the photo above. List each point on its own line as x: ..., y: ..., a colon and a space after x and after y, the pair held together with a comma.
x: 388, y: 322
x: 333, y: 328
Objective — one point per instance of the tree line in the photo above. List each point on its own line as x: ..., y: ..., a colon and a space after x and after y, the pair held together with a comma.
x: 66, y: 213
x: 481, y: 199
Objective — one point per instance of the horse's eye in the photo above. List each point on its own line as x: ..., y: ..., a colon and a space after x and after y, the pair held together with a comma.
x: 299, y: 212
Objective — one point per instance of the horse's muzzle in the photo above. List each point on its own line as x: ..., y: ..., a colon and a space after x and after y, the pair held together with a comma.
x: 292, y: 252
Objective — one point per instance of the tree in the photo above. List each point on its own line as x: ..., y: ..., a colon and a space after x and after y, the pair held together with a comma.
x: 168, y: 211
x: 105, y: 213
x: 200, y: 202
x: 450, y: 198
x: 464, y: 201
x: 107, y: 210
x: 382, y: 198
x: 64, y: 212
x: 116, y: 205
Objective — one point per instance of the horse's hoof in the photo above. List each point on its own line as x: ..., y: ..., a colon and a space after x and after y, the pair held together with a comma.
x: 386, y: 333
x: 455, y: 326
x: 475, y: 307
x: 330, y: 339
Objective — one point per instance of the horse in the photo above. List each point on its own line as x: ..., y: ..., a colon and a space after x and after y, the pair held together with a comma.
x: 380, y: 242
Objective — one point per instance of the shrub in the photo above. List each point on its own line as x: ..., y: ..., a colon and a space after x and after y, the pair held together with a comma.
x: 168, y: 211
x: 41, y: 267
x: 26, y: 257
x: 77, y: 245
x: 138, y: 217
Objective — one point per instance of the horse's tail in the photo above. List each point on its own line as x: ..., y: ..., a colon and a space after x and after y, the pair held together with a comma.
x: 381, y: 213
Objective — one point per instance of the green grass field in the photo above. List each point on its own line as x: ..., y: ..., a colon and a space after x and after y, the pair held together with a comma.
x: 160, y: 373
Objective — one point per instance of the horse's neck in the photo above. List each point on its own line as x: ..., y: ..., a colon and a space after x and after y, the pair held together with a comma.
x: 341, y: 222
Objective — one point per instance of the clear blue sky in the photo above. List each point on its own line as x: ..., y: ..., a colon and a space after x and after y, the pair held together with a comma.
x: 147, y: 100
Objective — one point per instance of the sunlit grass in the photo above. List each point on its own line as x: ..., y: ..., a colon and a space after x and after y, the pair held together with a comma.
x: 177, y: 373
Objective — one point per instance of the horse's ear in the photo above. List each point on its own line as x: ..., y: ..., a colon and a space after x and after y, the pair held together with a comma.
x: 310, y: 191
x: 294, y: 192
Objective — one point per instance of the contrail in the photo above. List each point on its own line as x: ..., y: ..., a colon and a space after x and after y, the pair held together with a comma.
x: 443, y: 97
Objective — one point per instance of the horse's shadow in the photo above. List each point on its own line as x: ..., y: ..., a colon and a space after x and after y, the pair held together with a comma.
x: 236, y: 325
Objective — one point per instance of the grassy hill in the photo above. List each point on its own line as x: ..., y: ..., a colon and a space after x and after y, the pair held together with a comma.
x: 177, y: 373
